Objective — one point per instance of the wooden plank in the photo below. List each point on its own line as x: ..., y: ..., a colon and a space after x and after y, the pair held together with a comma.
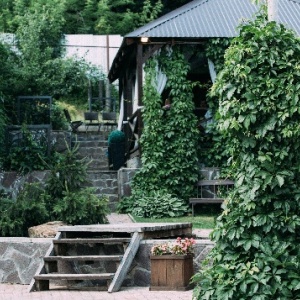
x: 41, y: 269
x: 206, y: 200
x: 93, y: 241
x: 215, y: 182
x: 103, y: 276
x: 171, y: 272
x: 84, y: 258
x: 125, y: 263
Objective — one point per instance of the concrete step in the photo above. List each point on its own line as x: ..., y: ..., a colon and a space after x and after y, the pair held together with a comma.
x: 90, y: 136
x: 92, y: 144
x: 93, y: 152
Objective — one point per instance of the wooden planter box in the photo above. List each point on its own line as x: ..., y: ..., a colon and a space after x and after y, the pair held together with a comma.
x: 171, y: 272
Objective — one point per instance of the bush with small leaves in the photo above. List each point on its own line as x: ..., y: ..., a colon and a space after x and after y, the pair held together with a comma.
x: 82, y: 207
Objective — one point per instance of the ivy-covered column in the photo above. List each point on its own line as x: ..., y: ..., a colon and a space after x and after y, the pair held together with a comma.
x: 257, y: 237
x: 169, y: 143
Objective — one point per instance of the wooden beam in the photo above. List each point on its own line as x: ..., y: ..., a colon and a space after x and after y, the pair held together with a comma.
x: 139, y: 68
x: 126, y: 262
x: 151, y: 51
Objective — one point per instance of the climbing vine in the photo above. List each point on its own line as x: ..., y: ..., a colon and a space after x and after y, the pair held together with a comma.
x: 257, y: 254
x: 170, y: 135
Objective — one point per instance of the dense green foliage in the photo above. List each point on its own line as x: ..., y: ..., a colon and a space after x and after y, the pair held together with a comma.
x: 27, y: 155
x: 27, y: 210
x: 81, y: 207
x: 157, y: 204
x: 62, y: 198
x: 67, y: 173
x: 257, y: 254
x: 90, y: 16
x: 169, y: 138
x: 38, y: 66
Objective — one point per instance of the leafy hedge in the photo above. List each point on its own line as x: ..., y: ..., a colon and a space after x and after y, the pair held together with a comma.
x: 257, y: 236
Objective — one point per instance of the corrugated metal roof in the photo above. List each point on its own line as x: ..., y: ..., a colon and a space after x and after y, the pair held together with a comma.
x: 289, y: 14
x: 214, y: 18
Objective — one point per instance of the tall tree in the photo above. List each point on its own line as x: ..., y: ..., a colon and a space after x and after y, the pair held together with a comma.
x: 73, y: 16
x: 6, y: 15
x: 89, y: 16
x: 39, y: 40
x: 109, y: 11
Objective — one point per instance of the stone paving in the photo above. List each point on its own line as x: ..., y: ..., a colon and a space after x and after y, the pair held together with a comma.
x: 20, y: 292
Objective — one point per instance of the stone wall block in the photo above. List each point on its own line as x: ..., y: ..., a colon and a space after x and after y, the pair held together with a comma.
x: 20, y: 258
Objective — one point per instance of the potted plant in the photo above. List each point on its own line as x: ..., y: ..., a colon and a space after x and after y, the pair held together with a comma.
x: 172, y: 265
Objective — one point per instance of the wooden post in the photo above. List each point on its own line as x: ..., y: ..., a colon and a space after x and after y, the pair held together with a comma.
x: 140, y: 73
x: 107, y: 97
x: 100, y: 93
x: 90, y: 94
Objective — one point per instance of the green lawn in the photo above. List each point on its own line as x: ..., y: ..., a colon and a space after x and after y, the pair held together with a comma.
x: 204, y: 218
x: 199, y: 221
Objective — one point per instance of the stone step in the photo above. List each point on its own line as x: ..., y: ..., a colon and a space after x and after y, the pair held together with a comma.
x: 93, y: 147
x: 92, y: 144
x: 101, y: 136
x: 100, y: 164
x: 95, y: 152
x: 105, y: 182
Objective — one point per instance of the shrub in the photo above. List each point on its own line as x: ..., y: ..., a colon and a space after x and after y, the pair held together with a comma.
x: 28, y: 210
x: 27, y: 154
x: 62, y: 199
x: 116, y: 136
x: 82, y: 207
x: 58, y: 118
x: 158, y: 204
x: 67, y: 173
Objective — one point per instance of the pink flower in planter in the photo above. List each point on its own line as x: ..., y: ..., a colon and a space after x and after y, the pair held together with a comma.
x: 179, y: 247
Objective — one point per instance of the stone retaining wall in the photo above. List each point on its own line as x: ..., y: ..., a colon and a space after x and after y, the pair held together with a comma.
x: 21, y: 257
x: 125, y: 176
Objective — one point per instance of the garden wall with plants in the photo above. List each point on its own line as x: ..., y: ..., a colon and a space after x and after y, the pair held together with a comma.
x: 21, y: 257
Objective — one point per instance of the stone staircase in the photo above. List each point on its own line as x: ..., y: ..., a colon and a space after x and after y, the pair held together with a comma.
x: 87, y: 259
x: 97, y: 256
x: 93, y: 146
